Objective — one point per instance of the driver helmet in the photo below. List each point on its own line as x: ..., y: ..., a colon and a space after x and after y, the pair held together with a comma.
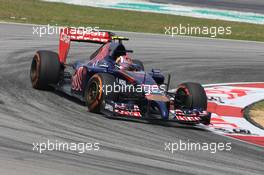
x: 124, y: 62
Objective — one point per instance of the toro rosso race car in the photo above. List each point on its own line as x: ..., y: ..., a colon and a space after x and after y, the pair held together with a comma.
x: 112, y: 83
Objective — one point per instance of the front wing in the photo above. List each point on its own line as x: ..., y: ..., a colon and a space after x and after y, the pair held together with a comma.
x: 132, y: 111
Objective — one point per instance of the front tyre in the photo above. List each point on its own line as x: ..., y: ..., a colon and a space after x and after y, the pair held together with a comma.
x: 45, y: 69
x: 99, y: 88
x: 191, y: 96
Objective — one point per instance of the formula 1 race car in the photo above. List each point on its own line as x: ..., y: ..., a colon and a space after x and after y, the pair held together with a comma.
x: 112, y: 83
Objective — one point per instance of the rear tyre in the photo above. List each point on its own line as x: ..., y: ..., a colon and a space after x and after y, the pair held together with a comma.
x: 45, y: 69
x: 140, y: 64
x: 95, y: 92
x: 191, y: 96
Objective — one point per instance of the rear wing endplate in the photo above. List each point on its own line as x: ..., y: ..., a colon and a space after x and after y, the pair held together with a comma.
x: 72, y: 34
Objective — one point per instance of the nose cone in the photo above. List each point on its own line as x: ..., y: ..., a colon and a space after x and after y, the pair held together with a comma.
x: 164, y: 112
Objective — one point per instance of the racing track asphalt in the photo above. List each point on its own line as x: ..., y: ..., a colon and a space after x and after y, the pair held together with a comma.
x: 126, y: 147
x: 256, y: 6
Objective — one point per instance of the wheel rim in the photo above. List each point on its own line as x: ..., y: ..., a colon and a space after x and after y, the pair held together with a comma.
x: 34, y: 71
x: 93, y: 93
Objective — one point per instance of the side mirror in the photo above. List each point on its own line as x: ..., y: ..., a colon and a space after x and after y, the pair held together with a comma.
x: 155, y: 71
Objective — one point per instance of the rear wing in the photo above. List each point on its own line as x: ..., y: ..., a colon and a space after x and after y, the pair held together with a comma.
x: 72, y: 34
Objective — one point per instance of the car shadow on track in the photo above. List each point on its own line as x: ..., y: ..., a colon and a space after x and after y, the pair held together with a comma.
x: 159, y: 123
x: 68, y: 97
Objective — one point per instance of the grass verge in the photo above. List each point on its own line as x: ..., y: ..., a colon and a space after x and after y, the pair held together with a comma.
x: 38, y: 12
x: 256, y: 114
